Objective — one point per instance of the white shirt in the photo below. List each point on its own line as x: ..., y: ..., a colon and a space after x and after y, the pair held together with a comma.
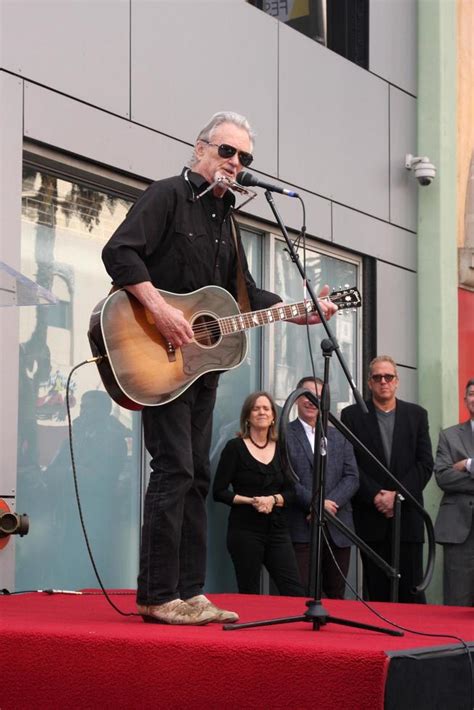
x: 309, y: 431
x: 469, y: 461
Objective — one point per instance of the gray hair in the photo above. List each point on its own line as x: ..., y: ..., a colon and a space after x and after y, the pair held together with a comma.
x: 206, y: 133
x: 382, y: 358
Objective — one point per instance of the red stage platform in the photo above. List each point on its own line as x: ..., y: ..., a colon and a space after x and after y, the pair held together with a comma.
x: 76, y: 652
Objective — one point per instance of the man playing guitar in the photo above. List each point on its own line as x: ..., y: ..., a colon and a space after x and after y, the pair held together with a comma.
x: 179, y: 237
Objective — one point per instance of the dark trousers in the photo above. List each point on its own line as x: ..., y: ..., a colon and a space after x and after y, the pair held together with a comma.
x: 174, y: 533
x: 458, y: 572
x: 272, y: 548
x: 333, y: 583
x: 377, y: 584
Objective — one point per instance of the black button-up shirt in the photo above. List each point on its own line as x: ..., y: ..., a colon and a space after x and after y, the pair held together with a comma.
x: 179, y: 243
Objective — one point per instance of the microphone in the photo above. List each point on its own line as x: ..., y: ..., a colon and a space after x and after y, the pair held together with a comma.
x: 249, y: 180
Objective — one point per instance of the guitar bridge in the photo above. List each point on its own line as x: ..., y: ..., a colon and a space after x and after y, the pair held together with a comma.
x: 171, y: 352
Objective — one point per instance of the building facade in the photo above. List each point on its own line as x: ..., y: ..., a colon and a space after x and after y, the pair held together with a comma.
x: 100, y: 98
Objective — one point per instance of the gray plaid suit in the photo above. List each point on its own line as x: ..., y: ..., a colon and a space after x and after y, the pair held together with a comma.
x: 342, y: 481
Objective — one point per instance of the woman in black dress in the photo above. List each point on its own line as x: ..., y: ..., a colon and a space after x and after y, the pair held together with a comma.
x: 250, y: 478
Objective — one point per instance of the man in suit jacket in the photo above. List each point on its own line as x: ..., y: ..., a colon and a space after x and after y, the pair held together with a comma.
x: 397, y: 433
x: 342, y: 480
x: 454, y: 529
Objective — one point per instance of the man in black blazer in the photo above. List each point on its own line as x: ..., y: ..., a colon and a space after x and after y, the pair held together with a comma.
x: 454, y: 528
x: 342, y: 481
x: 397, y: 433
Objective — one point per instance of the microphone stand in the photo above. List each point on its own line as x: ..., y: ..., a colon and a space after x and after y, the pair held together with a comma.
x: 316, y: 614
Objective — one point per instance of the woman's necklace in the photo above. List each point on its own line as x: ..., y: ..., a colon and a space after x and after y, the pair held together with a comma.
x: 259, y: 446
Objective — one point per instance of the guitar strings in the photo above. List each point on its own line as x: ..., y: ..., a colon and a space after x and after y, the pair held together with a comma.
x: 214, y: 328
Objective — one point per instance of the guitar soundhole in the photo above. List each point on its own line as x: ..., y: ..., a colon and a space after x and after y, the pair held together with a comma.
x: 206, y: 331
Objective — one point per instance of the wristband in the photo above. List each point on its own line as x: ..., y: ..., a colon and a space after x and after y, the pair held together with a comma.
x: 275, y: 499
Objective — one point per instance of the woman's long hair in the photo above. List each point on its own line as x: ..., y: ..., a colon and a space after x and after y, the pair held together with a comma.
x: 247, y: 407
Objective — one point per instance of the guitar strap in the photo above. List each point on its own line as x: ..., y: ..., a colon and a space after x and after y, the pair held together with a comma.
x: 242, y: 291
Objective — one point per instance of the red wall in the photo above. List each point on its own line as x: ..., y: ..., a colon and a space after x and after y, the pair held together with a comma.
x: 466, y: 344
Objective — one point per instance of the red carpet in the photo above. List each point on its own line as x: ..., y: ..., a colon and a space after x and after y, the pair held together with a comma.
x: 66, y: 651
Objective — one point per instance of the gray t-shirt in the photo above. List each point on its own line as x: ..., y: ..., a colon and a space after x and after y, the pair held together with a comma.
x: 386, y: 422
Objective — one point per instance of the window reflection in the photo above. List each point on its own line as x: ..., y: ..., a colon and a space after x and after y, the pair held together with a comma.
x: 340, y: 25
x: 306, y: 16
x: 64, y: 227
x: 292, y: 358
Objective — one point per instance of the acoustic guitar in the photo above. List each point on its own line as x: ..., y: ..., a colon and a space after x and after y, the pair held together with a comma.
x: 140, y: 368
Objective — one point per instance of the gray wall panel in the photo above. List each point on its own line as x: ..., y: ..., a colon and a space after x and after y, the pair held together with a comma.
x: 408, y: 383
x: 191, y: 59
x: 333, y: 126
x: 73, y: 126
x: 393, y: 42
x: 403, y: 185
x: 367, y: 235
x: 318, y: 212
x: 79, y: 47
x: 11, y: 139
x: 397, y: 314
x: 70, y: 125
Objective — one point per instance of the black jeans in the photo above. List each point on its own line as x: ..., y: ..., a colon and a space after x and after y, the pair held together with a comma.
x: 174, y: 534
x: 271, y: 547
x: 376, y: 582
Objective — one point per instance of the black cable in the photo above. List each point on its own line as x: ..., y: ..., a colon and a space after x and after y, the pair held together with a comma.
x: 7, y: 592
x: 78, y: 500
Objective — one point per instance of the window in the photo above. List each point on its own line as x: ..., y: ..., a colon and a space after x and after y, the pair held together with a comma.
x: 291, y: 347
x: 69, y: 211
x: 65, y: 223
x: 340, y: 25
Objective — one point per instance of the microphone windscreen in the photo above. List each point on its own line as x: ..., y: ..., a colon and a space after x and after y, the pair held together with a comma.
x: 245, y: 178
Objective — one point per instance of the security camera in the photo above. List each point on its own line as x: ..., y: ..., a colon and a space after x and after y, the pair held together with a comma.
x: 425, y: 171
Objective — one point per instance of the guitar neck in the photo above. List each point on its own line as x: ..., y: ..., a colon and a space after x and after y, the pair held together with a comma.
x: 255, y: 319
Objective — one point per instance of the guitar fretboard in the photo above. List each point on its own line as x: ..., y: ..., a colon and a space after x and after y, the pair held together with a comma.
x: 255, y: 319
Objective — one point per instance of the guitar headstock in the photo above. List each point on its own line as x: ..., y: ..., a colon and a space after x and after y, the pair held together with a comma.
x: 346, y: 298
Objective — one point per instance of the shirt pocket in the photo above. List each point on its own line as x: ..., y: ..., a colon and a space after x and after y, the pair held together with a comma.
x: 191, y: 247
x: 190, y: 229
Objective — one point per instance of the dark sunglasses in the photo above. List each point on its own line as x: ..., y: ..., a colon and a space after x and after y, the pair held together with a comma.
x: 379, y: 378
x: 227, y: 151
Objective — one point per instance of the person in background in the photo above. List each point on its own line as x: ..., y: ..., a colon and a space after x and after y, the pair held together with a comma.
x: 341, y: 482
x: 454, y: 528
x: 250, y: 479
x: 397, y: 433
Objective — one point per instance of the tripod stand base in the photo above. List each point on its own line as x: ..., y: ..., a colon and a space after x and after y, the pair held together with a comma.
x: 316, y: 615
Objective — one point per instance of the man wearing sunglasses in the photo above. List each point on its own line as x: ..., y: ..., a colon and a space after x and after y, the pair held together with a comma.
x: 179, y: 237
x: 397, y: 433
